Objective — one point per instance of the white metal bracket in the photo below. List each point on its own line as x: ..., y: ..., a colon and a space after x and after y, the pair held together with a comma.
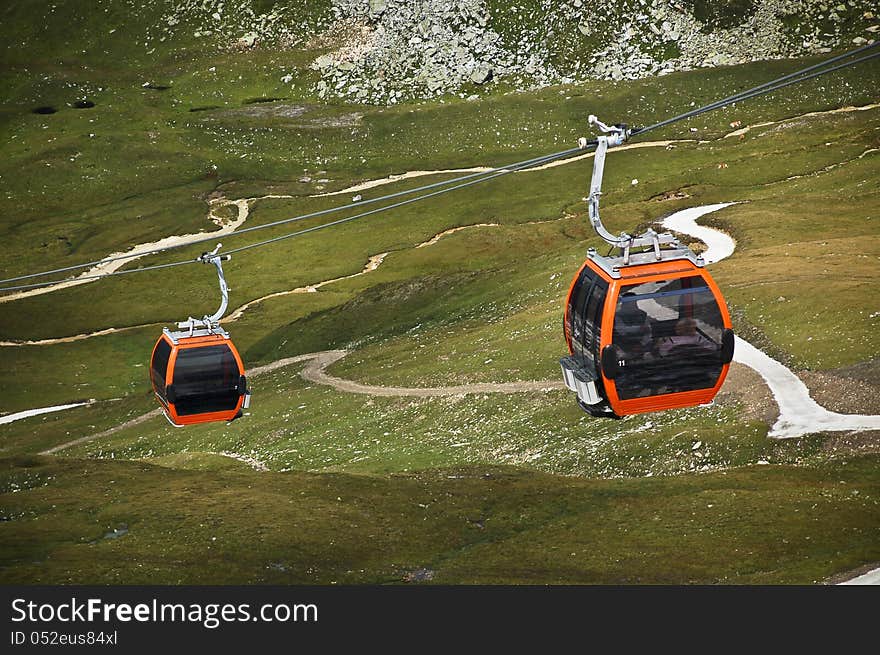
x: 211, y: 323
x: 616, y: 135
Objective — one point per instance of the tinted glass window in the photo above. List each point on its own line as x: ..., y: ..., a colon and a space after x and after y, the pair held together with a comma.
x: 668, y: 334
x: 159, y: 365
x: 585, y: 313
x: 206, y: 380
x: 593, y: 319
x: 575, y: 315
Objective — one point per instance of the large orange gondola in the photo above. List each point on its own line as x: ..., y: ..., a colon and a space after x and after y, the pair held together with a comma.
x: 646, y: 330
x: 196, y: 372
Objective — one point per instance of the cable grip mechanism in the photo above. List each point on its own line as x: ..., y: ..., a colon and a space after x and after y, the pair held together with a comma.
x: 211, y: 323
x: 615, y: 135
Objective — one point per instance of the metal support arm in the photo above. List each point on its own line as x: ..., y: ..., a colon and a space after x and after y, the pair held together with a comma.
x: 596, y: 193
x: 211, y: 323
x: 616, y: 135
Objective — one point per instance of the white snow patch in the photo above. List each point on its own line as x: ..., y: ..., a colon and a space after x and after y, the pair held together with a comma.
x: 36, y: 412
x: 719, y: 245
x: 799, y: 414
x: 869, y: 578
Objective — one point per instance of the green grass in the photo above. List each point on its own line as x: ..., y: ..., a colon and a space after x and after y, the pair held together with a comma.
x: 475, y: 524
x: 478, y: 489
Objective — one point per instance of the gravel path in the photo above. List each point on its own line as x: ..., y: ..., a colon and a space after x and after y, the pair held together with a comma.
x: 105, y: 267
x: 243, y: 210
x: 799, y: 414
x: 315, y: 372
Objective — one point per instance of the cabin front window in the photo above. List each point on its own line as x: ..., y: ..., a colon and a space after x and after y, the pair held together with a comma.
x: 667, y: 336
x: 206, y: 380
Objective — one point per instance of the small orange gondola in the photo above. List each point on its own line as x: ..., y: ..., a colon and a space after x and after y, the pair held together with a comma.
x: 196, y: 372
x: 646, y: 331
x: 199, y: 378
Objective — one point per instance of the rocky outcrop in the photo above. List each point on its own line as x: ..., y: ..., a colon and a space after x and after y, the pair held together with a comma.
x: 393, y: 50
x: 389, y: 51
x: 399, y: 49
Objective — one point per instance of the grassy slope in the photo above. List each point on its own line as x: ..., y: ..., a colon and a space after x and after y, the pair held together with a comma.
x: 480, y: 305
x: 461, y: 525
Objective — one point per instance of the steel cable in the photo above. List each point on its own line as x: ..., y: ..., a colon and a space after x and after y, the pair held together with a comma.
x: 453, y: 184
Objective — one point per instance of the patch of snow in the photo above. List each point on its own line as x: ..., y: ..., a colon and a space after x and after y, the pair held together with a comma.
x: 869, y: 578
x: 36, y: 412
x: 719, y: 245
x: 798, y: 413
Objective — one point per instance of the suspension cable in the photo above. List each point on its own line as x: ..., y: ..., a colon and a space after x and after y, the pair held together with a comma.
x: 302, y: 217
x: 547, y: 159
x: 486, y: 175
x: 776, y: 87
x: 801, y: 75
x: 84, y: 278
x: 767, y: 87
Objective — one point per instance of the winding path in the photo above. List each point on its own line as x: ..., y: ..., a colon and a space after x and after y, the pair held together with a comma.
x: 372, y: 264
x: 140, y: 250
x: 391, y: 179
x: 243, y: 204
x: 799, y: 414
x: 315, y: 372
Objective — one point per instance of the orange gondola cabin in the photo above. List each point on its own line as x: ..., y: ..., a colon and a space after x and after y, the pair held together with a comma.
x: 196, y: 372
x: 198, y: 378
x: 646, y: 336
x: 648, y: 329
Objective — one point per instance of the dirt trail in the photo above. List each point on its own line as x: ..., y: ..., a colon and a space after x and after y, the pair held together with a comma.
x: 839, y: 110
x: 75, y: 337
x: 799, y: 414
x: 786, y: 425
x: 434, y: 239
x: 391, y: 179
x: 243, y: 204
x: 143, y: 418
x: 315, y: 372
x: 226, y: 227
x: 372, y: 264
